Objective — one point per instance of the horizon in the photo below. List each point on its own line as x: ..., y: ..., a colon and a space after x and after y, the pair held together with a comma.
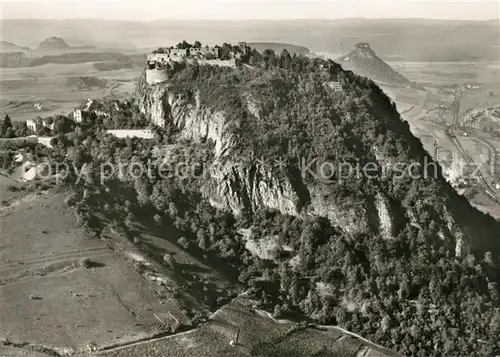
x: 255, y: 19
x: 241, y: 10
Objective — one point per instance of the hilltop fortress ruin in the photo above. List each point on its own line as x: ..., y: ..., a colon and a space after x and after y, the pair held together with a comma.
x: 160, y: 61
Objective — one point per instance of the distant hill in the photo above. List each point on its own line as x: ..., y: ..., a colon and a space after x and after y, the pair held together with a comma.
x: 53, y: 43
x: 398, y: 39
x: 11, y: 47
x: 364, y: 61
x: 278, y: 47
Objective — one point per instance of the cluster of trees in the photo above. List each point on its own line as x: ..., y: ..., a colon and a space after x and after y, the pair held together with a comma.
x: 8, y: 129
x: 410, y: 293
x: 119, y: 115
x: 113, y: 114
x: 186, y: 45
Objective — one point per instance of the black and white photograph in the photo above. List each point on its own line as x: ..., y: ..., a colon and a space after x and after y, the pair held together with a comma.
x: 249, y: 178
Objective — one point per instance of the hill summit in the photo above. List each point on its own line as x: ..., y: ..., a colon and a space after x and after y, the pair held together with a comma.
x: 11, y: 47
x: 349, y: 248
x: 363, y: 60
x: 53, y: 43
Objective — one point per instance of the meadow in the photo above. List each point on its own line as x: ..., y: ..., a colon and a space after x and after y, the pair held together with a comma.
x: 59, y: 88
x: 62, y: 290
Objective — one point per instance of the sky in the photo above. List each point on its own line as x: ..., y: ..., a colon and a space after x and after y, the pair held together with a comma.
x: 150, y: 10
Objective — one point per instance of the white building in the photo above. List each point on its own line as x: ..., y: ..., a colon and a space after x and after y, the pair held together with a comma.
x: 132, y: 133
x: 77, y: 115
x: 31, y: 124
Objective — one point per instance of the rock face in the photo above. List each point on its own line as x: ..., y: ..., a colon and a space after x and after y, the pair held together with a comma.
x: 193, y: 121
x: 242, y: 186
x: 248, y: 185
x: 384, y: 216
x: 155, y: 76
x: 364, y: 61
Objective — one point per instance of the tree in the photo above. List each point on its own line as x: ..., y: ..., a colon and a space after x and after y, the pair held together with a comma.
x: 142, y: 189
x: 285, y: 59
x: 168, y: 259
x: 225, y: 52
x: 183, y: 242
x: 277, y: 311
x: 6, y: 127
x: 62, y: 125
x: 494, y: 295
x: 404, y: 289
x: 294, y: 289
x: 307, y: 239
x: 184, y: 45
x: 386, y: 323
x: 197, y: 44
x: 270, y: 58
x: 21, y: 130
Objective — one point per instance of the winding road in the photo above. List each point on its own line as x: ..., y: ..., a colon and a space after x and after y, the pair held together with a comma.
x: 450, y: 133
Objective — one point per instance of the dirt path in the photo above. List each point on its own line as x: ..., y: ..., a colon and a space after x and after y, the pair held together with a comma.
x: 143, y: 342
x: 367, y: 342
x: 54, y: 258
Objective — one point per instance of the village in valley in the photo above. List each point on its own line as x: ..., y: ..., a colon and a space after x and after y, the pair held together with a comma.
x: 44, y: 131
x: 157, y: 61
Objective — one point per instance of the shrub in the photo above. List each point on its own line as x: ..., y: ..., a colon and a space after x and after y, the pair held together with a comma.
x: 183, y: 242
x: 169, y: 260
x: 84, y: 263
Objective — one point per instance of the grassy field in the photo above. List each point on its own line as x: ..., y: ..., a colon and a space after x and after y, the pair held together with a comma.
x: 50, y: 297
x: 60, y: 88
x: 260, y: 335
x: 9, y: 189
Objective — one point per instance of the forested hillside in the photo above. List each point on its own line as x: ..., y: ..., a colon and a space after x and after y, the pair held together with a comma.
x: 396, y: 256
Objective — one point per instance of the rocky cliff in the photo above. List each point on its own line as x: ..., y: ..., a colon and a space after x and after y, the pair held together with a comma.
x: 242, y: 186
x: 245, y: 185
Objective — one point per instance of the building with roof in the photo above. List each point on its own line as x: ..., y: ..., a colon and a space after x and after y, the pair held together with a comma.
x: 32, y: 125
x: 77, y: 115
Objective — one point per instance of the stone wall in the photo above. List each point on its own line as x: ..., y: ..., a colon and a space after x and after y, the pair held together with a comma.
x: 46, y: 141
x: 132, y: 133
x: 155, y: 76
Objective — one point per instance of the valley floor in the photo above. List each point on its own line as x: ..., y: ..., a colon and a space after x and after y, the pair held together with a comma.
x: 428, y: 113
x: 60, y: 88
x: 62, y: 290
